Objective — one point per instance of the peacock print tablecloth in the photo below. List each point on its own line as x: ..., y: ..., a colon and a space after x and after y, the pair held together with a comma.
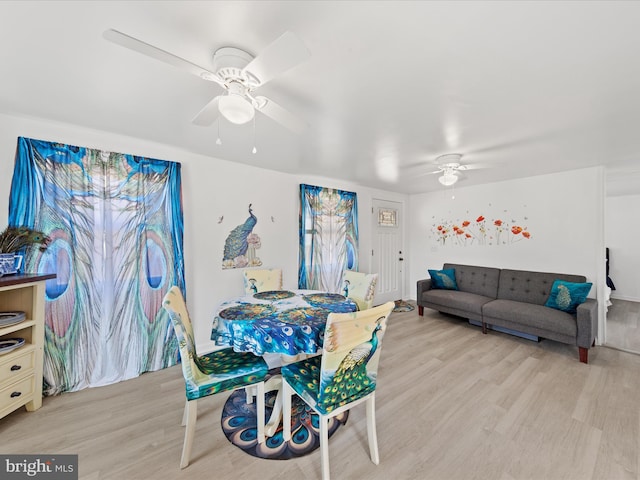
x: 282, y: 322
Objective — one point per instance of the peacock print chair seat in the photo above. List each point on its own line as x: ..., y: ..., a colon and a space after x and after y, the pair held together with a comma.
x: 360, y: 287
x: 304, y: 378
x: 219, y: 371
x: 224, y: 370
x: 343, y: 377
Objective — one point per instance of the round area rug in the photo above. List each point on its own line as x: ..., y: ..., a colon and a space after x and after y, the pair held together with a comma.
x: 239, y: 426
x: 402, y: 306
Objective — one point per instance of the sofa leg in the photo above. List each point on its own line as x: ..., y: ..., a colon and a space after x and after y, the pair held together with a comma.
x: 584, y: 354
x: 420, y: 310
x: 484, y: 328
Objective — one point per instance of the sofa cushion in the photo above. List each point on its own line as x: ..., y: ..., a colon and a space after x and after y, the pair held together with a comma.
x: 527, y: 314
x: 530, y: 287
x: 473, y: 279
x: 566, y: 296
x: 455, y: 299
x: 443, y: 279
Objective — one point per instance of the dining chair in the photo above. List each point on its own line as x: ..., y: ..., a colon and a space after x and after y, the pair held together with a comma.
x: 342, y: 377
x: 215, y: 372
x: 262, y: 280
x: 360, y: 287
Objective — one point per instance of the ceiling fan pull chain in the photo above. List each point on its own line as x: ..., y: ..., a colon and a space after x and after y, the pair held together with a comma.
x: 218, y: 141
x: 255, y: 150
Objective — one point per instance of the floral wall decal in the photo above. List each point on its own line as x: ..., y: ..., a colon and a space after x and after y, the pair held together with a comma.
x: 479, y: 230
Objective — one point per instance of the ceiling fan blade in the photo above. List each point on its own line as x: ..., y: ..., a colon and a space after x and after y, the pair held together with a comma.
x: 280, y: 115
x: 475, y: 166
x: 144, y: 48
x: 427, y: 173
x: 208, y: 114
x: 285, y: 52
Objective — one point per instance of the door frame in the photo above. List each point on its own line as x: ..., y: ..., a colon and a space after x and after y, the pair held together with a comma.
x: 402, y: 231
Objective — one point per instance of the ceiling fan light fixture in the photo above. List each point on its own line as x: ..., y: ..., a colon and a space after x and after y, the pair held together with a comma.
x: 448, y: 179
x: 236, y: 109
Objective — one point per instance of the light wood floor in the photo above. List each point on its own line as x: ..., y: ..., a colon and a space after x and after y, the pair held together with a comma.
x: 623, y: 325
x: 452, y: 404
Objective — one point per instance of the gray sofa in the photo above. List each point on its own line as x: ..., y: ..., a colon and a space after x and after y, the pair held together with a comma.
x: 513, y: 301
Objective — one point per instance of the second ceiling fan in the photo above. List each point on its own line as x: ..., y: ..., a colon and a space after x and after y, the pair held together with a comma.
x: 449, y: 165
x: 238, y: 73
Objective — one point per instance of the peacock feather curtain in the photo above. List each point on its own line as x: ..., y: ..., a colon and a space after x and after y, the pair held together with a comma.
x: 116, y: 229
x: 328, y: 237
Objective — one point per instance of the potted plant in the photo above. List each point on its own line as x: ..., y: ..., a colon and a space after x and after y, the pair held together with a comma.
x: 14, y: 239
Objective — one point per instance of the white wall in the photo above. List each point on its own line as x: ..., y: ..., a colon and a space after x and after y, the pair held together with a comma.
x: 563, y: 212
x: 564, y: 215
x: 622, y: 234
x: 211, y: 188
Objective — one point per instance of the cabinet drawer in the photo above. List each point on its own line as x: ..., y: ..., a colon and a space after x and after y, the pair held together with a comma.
x: 17, y: 364
x: 17, y: 393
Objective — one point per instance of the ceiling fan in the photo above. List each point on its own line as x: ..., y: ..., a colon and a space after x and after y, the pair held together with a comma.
x: 239, y: 73
x: 449, y: 165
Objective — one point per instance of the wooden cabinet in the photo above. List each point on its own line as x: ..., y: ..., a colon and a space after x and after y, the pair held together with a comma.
x: 21, y: 369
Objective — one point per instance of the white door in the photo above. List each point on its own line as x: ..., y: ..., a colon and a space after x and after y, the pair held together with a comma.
x: 387, y: 256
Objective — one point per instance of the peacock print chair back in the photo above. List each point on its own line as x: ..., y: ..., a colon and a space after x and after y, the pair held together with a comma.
x: 350, y: 355
x: 262, y: 280
x: 360, y: 287
x: 176, y: 307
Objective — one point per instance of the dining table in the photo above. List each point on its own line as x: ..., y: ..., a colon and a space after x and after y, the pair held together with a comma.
x: 280, y: 321
x: 289, y: 323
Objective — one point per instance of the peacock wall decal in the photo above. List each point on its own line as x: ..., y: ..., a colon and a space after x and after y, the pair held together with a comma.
x: 241, y: 245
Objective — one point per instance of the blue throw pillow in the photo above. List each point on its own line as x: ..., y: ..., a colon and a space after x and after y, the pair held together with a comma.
x: 444, y: 279
x: 566, y: 296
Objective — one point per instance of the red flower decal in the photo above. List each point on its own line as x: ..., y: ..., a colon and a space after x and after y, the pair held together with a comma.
x: 498, y: 223
x: 526, y: 234
x: 516, y: 229
x: 480, y: 219
x: 466, y: 223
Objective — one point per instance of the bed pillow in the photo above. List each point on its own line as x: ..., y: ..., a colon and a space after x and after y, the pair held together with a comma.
x: 566, y: 296
x: 443, y: 279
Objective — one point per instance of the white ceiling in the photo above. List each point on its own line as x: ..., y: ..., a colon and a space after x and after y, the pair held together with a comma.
x: 523, y: 88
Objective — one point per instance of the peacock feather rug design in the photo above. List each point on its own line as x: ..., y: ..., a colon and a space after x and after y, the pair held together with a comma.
x: 239, y: 426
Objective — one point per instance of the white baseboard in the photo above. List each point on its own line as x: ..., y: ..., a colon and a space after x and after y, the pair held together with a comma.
x: 624, y: 297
